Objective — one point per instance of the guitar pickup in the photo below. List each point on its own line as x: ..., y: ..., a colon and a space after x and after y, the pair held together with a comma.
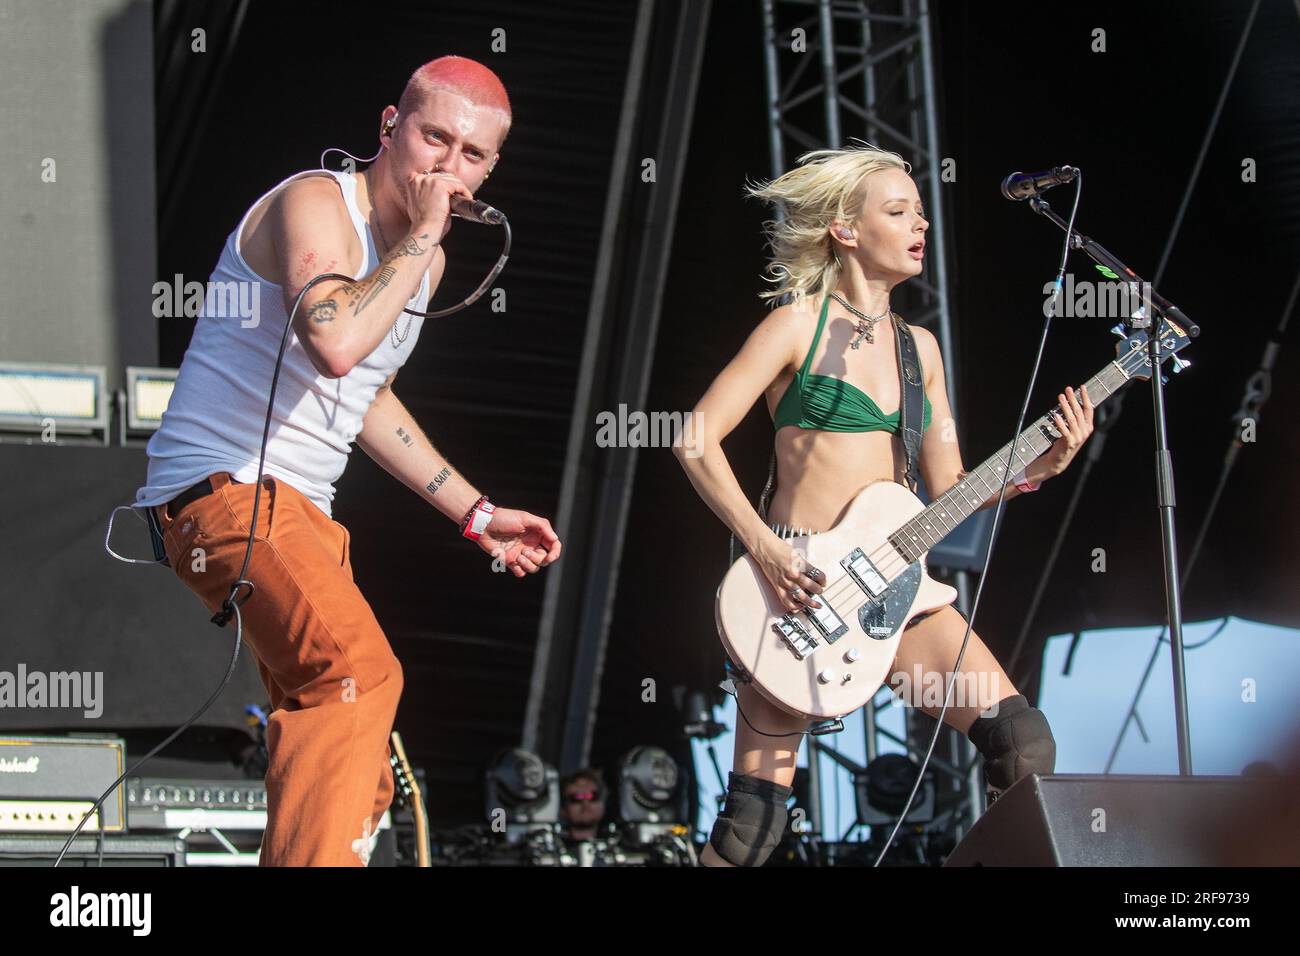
x: 796, y: 635
x: 860, y: 568
x: 825, y: 619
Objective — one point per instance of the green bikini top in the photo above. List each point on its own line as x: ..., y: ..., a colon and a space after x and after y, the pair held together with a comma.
x: 832, y: 404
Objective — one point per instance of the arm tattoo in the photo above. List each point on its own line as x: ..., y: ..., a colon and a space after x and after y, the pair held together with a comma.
x: 402, y: 433
x: 363, y: 293
x: 378, y: 285
x: 353, y: 291
x: 433, y: 486
x: 407, y: 247
x: 323, y: 311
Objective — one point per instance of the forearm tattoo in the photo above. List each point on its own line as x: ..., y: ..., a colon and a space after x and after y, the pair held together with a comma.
x: 377, y: 285
x: 408, y: 247
x: 433, y: 486
x: 404, y: 435
x: 362, y: 294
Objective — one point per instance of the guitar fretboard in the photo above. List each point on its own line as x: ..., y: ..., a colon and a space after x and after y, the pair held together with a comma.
x: 963, y: 499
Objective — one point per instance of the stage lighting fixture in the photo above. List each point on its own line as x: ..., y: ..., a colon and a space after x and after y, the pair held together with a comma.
x: 882, y: 789
x: 647, y: 784
x: 148, y: 390
x: 521, y: 786
x: 52, y: 400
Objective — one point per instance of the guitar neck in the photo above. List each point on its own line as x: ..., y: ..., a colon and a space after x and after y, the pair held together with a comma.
x: 963, y: 499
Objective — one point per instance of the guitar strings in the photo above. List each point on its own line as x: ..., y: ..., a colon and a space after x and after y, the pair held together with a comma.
x: 850, y: 585
x: 879, y: 558
x: 844, y: 585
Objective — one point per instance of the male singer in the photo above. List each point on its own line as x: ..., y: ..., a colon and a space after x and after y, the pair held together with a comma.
x: 333, y: 680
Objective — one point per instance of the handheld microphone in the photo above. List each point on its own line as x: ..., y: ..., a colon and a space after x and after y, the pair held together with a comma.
x: 1020, y: 186
x: 477, y: 211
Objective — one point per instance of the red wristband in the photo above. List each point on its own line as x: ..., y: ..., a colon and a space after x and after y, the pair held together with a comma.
x: 477, y: 518
x: 1024, y: 485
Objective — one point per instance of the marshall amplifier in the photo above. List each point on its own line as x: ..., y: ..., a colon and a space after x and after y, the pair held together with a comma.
x: 48, y: 783
x: 220, y: 822
x: 155, y: 803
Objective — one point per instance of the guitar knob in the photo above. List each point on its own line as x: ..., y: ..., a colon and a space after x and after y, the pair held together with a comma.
x: 827, y: 676
x: 851, y: 655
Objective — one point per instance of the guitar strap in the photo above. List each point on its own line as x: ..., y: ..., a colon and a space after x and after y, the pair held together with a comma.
x: 911, y: 389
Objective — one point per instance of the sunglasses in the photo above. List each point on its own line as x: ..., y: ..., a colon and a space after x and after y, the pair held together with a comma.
x: 582, y: 796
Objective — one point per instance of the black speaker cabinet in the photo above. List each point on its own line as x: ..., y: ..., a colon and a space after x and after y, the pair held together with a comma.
x: 134, y: 631
x: 1133, y: 820
x: 119, y: 850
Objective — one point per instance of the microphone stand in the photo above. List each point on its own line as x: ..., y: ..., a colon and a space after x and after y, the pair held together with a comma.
x: 1159, y: 307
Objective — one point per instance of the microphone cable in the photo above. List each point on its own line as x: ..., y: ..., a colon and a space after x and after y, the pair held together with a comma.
x: 997, y: 514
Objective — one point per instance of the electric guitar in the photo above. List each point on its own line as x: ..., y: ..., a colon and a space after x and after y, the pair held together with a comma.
x: 407, y: 793
x: 828, y: 662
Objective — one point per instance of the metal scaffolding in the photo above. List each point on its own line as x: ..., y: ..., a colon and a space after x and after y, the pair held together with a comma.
x: 865, y: 68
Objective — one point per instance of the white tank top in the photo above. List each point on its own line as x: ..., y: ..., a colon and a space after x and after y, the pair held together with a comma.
x: 217, y: 411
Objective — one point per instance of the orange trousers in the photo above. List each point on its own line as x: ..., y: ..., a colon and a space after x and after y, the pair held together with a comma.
x: 331, y: 675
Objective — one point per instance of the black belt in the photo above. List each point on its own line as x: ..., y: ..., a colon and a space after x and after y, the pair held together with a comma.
x: 192, y: 493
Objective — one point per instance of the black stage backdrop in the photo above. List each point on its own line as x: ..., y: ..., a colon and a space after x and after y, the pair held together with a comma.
x: 495, y: 393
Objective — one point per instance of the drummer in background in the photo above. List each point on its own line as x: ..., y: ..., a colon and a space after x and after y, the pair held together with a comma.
x: 582, y: 807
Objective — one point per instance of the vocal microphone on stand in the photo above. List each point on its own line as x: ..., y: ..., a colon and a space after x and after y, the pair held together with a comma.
x: 1020, y: 186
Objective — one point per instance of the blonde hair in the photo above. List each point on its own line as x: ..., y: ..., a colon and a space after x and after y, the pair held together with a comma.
x: 828, y: 184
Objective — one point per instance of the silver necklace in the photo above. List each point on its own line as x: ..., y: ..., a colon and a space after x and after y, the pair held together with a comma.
x: 393, y: 335
x: 866, y: 323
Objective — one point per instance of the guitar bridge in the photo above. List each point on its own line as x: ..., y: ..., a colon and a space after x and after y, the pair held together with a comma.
x: 796, y: 635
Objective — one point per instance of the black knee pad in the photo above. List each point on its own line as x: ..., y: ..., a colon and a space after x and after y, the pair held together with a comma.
x: 752, y: 820
x: 1016, y: 742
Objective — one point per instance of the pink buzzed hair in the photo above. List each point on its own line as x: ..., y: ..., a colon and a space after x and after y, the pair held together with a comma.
x: 459, y: 75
